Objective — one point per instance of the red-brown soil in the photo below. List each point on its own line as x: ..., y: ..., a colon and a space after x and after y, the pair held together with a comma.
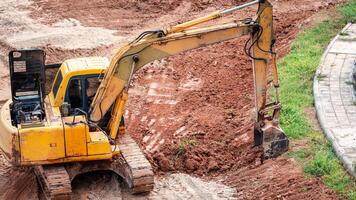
x: 194, y: 112
x: 276, y: 179
x: 202, y: 110
x: 124, y: 16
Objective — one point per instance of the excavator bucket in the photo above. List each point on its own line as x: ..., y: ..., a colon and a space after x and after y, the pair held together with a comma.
x: 273, y: 140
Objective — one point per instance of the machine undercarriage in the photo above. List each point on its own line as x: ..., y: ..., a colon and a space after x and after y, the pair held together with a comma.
x: 131, y: 165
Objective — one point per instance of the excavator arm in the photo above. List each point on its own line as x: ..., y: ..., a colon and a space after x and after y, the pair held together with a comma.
x: 155, y: 45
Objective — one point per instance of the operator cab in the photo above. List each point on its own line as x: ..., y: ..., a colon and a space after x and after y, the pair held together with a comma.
x: 76, y: 84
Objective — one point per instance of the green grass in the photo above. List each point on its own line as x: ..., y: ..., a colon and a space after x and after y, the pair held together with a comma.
x: 183, y: 145
x: 297, y: 70
x: 320, y: 161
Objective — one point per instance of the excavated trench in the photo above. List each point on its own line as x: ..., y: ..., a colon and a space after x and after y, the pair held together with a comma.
x: 191, y: 113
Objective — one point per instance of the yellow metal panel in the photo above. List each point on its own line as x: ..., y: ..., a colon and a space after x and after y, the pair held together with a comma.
x: 75, y: 136
x: 99, y: 144
x: 42, y: 143
x: 98, y: 137
x: 99, y: 148
x: 116, y: 85
x: 116, y: 116
x: 261, y: 65
x: 86, y: 63
x: 71, y: 159
x: 8, y: 132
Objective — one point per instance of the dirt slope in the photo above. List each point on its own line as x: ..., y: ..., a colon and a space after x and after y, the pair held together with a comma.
x: 194, y: 112
x: 276, y: 179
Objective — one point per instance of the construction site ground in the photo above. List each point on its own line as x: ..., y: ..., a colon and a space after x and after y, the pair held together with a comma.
x: 192, y: 114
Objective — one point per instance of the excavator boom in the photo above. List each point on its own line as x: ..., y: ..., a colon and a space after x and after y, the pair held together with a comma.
x: 132, y: 57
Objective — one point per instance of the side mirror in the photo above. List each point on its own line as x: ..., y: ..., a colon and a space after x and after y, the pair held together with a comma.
x: 65, y: 109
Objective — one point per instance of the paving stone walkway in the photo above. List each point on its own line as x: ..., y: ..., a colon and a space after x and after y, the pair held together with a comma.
x: 334, y: 99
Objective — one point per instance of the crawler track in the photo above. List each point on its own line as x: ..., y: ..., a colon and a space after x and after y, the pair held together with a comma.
x: 131, y: 165
x: 54, y: 182
x: 139, y: 176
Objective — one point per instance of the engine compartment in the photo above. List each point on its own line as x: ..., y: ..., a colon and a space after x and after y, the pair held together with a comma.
x: 27, y: 77
x: 27, y: 112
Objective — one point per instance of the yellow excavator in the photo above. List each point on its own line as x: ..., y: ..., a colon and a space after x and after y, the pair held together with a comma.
x: 79, y: 127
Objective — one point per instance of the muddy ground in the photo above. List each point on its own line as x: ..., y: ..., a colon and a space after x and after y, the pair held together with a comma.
x: 191, y: 113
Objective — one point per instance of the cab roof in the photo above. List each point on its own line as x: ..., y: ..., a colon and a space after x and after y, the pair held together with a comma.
x: 86, y: 63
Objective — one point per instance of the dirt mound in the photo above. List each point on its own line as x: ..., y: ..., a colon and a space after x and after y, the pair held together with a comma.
x: 4, y: 78
x: 196, y: 112
x: 277, y: 179
x: 24, y: 32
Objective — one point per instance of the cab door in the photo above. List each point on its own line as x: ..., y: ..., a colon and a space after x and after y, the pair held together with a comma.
x: 76, y: 133
x: 79, y: 92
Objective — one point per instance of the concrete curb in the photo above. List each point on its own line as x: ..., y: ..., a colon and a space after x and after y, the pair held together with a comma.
x: 348, y: 163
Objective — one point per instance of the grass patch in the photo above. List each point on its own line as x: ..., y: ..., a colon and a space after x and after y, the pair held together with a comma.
x: 183, y: 145
x: 319, y: 160
x: 297, y: 71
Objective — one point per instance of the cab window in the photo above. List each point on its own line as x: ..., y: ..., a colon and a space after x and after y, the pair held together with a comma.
x: 81, y: 91
x: 75, y: 95
x: 92, y: 84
